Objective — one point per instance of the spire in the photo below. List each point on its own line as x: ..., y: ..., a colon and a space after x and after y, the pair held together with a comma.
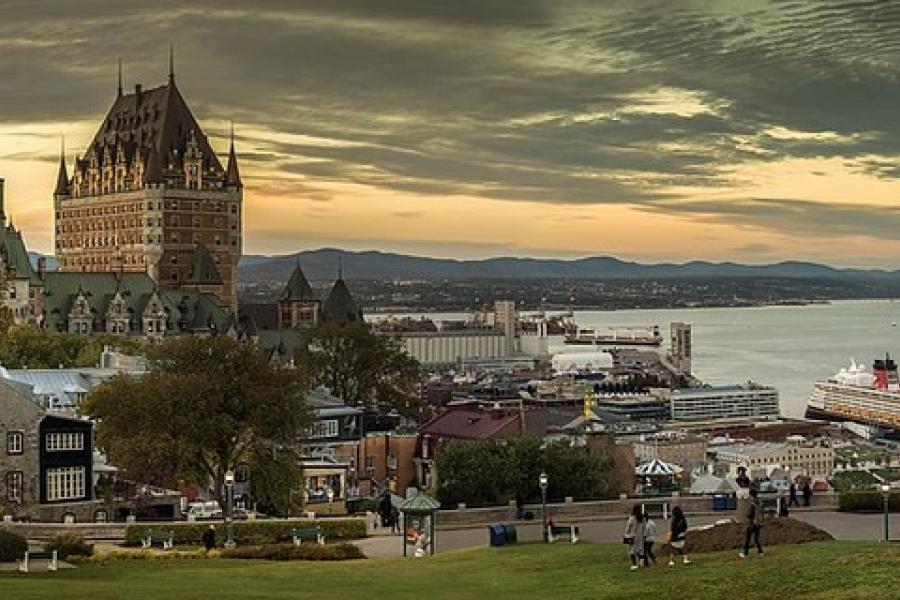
x: 171, y: 63
x: 62, y: 178
x: 340, y: 267
x: 298, y: 287
x: 232, y: 173
x: 119, y: 89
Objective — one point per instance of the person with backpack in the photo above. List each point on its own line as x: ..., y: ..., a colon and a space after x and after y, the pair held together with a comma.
x: 678, y: 536
x: 634, y: 536
x: 649, y: 539
x: 754, y: 523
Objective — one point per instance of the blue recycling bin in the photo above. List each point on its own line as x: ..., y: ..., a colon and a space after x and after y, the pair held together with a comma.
x: 496, y: 534
x: 720, y: 502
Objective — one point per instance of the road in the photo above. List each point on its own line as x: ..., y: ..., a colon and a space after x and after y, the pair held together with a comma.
x: 843, y: 526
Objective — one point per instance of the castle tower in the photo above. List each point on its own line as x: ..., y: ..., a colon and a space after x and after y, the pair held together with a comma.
x: 298, y: 307
x: 147, y: 192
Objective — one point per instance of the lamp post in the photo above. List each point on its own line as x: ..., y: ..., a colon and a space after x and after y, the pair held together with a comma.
x: 543, y: 481
x: 229, y: 513
x: 886, y: 491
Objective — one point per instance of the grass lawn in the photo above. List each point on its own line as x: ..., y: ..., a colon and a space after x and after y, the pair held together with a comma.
x: 830, y: 570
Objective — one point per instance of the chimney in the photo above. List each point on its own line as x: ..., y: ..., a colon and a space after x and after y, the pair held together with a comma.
x: 42, y: 266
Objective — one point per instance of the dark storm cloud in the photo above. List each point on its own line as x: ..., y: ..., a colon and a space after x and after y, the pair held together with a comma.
x: 554, y: 101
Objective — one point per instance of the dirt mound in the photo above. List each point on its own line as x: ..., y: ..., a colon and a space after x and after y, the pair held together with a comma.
x: 730, y: 536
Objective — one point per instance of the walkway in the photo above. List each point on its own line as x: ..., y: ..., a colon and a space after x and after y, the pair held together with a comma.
x: 843, y: 526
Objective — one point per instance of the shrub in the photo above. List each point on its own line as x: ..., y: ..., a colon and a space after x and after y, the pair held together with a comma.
x: 251, y: 532
x: 108, y: 558
x: 290, y: 552
x: 12, y: 546
x: 69, y: 544
x: 860, y: 501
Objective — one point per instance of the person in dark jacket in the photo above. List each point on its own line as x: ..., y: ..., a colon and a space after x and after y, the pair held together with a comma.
x: 209, y: 538
x: 385, y: 509
x: 678, y: 536
x: 807, y: 493
x: 792, y: 495
x: 754, y: 523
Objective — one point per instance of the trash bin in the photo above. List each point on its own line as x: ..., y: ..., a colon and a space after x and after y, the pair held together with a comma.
x: 719, y: 502
x: 496, y: 534
x: 512, y: 536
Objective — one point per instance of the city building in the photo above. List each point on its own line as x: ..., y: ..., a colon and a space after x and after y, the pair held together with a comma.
x: 47, y: 469
x: 381, y: 461
x: 16, y: 268
x: 147, y: 191
x: 705, y: 403
x: 760, y: 458
x: 687, y: 451
x: 680, y: 347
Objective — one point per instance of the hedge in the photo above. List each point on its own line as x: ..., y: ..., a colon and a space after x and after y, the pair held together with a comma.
x: 12, y: 546
x: 341, y: 551
x: 859, y: 501
x: 249, y: 532
x: 69, y: 544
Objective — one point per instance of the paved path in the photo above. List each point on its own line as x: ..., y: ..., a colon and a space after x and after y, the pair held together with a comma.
x: 842, y: 526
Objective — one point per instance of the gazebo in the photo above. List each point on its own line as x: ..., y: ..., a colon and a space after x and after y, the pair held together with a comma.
x: 420, y: 506
x: 659, y: 471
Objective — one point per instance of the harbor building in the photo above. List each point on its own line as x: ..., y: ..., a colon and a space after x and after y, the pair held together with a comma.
x: 760, y: 458
x: 749, y: 400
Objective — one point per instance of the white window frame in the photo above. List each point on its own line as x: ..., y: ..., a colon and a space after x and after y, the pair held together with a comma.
x: 15, y: 486
x: 64, y: 441
x: 327, y: 428
x: 15, y: 442
x: 65, y: 483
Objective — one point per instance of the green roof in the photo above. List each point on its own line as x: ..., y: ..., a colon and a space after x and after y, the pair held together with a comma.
x: 421, y: 504
x: 15, y: 256
x: 298, y: 287
x: 340, y: 307
x: 203, y: 268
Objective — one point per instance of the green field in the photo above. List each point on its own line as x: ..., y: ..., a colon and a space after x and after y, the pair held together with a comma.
x: 820, y: 570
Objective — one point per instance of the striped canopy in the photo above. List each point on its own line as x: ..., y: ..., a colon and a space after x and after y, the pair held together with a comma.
x: 657, y: 467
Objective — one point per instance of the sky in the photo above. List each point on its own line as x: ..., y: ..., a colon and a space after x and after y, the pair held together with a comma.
x: 655, y: 131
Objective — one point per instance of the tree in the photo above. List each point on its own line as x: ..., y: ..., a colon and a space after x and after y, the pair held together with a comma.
x: 207, y: 404
x: 360, y: 367
x: 26, y: 347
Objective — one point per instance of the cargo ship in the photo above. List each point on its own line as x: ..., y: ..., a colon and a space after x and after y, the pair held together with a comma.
x: 857, y: 395
x: 620, y: 336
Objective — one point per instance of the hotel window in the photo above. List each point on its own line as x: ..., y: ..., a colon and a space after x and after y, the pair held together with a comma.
x: 61, y: 442
x: 14, y: 442
x: 66, y: 483
x: 370, y: 463
x: 14, y: 484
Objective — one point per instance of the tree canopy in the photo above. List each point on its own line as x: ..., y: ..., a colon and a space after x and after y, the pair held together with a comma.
x: 27, y: 347
x: 207, y: 405
x: 485, y: 473
x: 362, y: 368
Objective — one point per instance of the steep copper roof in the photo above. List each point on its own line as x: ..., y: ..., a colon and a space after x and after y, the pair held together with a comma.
x: 340, y: 307
x: 62, y: 178
x: 145, y: 119
x: 203, y: 268
x: 298, y: 287
x: 232, y: 173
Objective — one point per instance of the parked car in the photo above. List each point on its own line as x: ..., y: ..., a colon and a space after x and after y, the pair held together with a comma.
x: 203, y: 511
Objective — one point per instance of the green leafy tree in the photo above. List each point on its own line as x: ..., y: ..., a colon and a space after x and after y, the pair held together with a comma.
x: 207, y: 404
x: 361, y: 367
x: 472, y: 472
x: 27, y: 347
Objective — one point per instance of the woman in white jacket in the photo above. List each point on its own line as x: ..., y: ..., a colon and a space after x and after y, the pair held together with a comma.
x: 634, y: 536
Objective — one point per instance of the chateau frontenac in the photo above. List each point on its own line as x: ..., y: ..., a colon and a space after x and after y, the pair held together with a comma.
x: 147, y: 193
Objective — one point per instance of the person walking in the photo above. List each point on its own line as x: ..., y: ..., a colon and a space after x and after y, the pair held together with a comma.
x: 792, y: 495
x: 678, y: 536
x: 649, y: 538
x: 209, y: 538
x: 807, y: 493
x: 634, y: 536
x: 754, y: 524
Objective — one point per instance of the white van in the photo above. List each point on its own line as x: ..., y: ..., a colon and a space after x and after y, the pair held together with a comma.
x: 204, y: 510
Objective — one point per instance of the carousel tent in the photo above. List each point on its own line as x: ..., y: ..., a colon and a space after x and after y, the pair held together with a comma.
x: 657, y: 468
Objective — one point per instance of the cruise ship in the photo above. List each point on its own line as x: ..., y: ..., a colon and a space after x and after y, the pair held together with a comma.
x: 616, y: 336
x: 857, y: 395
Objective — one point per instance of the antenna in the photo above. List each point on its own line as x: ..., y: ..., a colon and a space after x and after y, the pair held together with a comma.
x: 340, y: 267
x: 119, y: 89
x: 171, y: 63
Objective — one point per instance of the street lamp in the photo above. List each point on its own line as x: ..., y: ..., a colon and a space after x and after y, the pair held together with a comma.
x: 543, y: 481
x: 886, y: 491
x: 229, y: 512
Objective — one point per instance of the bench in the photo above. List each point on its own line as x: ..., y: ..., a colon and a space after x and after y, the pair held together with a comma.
x: 657, y: 510
x: 555, y: 531
x: 298, y: 534
x: 38, y: 555
x: 165, y: 538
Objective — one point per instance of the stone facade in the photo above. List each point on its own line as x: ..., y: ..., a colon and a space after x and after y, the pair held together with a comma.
x: 147, y: 191
x: 20, y: 419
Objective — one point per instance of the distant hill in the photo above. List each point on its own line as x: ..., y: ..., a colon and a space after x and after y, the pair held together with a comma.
x: 323, y: 264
